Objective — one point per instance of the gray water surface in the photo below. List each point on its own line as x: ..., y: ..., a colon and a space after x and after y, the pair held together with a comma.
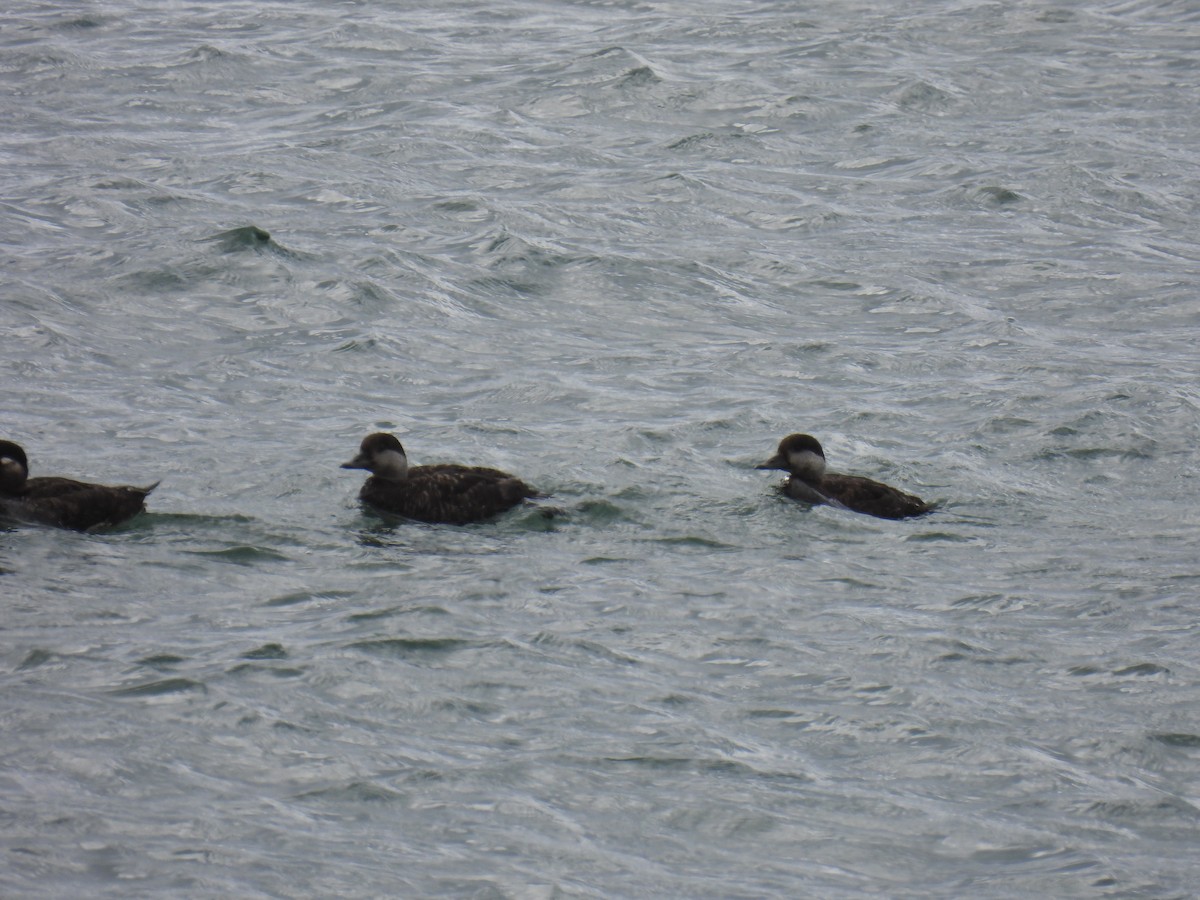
x: 620, y: 249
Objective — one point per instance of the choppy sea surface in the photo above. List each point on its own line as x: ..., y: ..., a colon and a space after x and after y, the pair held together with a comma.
x: 620, y: 249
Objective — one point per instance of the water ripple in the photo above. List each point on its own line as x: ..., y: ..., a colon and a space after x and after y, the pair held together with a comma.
x: 620, y: 251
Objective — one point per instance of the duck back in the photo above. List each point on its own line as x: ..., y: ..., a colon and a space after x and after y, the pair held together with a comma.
x: 872, y: 497
x: 64, y: 503
x: 447, y: 493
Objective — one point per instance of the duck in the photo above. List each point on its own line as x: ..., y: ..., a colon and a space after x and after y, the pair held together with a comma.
x: 444, y: 493
x: 801, y: 456
x: 62, y: 502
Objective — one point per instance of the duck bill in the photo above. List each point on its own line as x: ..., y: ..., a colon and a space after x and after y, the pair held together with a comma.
x: 775, y: 462
x: 359, y: 462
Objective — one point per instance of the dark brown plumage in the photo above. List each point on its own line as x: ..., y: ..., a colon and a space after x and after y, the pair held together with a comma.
x: 444, y: 493
x: 62, y: 502
x: 801, y: 456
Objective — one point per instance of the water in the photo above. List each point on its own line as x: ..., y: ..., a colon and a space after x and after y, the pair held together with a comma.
x: 620, y: 249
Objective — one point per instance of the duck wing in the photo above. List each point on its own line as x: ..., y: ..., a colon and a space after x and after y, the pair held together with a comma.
x: 872, y: 497
x: 448, y: 494
x: 48, y: 488
x: 63, y: 503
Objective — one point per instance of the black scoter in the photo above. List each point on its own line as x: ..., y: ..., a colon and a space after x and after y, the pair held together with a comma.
x: 801, y: 456
x: 445, y: 493
x: 62, y: 502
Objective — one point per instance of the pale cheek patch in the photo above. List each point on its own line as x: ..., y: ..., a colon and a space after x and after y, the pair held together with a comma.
x: 389, y: 462
x: 806, y: 462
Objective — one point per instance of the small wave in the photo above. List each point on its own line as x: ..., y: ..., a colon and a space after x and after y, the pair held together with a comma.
x: 161, y: 688
x: 243, y: 555
x: 244, y: 238
x: 412, y: 647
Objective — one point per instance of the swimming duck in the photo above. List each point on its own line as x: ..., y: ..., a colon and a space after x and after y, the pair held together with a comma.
x: 801, y: 456
x: 62, y: 502
x: 445, y: 493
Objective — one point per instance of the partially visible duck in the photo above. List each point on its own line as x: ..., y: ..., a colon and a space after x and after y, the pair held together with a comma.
x: 444, y: 493
x: 801, y: 456
x: 62, y: 502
